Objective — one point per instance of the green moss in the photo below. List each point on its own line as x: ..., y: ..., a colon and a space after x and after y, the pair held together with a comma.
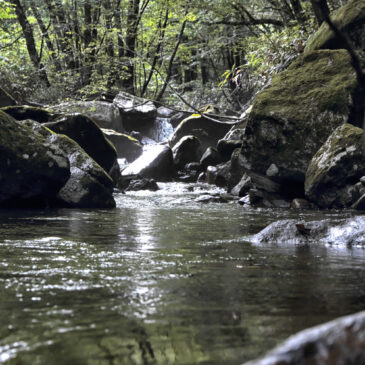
x: 350, y: 15
x: 23, y: 112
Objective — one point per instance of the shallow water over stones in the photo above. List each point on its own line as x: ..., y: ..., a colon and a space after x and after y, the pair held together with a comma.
x: 163, y: 279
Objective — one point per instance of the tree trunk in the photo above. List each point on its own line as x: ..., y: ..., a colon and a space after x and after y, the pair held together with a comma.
x: 29, y: 39
x: 320, y: 10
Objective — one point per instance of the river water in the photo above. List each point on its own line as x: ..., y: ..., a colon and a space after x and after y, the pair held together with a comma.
x: 163, y: 280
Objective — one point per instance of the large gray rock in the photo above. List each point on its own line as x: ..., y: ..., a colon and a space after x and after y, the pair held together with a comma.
x: 127, y: 147
x: 156, y: 162
x: 341, y: 341
x: 292, y: 119
x: 337, y: 165
x: 24, y: 112
x: 88, y: 185
x: 32, y: 170
x: 350, y: 19
x: 105, y: 115
x: 188, y: 149
x: 136, y: 112
x: 208, y: 132
x: 339, y: 232
x: 89, y: 136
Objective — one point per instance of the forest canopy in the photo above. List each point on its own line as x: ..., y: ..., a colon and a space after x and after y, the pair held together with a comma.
x: 52, y: 50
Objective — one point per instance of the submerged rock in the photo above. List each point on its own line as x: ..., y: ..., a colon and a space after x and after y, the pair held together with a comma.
x: 142, y: 184
x: 341, y: 341
x: 350, y: 19
x: 156, y: 162
x: 291, y: 119
x: 341, y: 232
x: 335, y: 167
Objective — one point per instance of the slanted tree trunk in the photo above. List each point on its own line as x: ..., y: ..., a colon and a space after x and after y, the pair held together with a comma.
x: 29, y: 39
x: 320, y: 10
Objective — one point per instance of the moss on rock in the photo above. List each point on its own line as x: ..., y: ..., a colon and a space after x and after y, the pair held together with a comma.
x: 338, y: 163
x: 23, y: 112
x: 292, y: 118
x: 350, y: 19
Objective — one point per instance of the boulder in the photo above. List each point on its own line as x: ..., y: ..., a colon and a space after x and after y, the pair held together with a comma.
x: 219, y: 175
x: 89, y: 136
x: 292, y: 119
x: 142, y: 184
x: 126, y: 146
x: 32, y: 171
x: 23, y: 112
x: 178, y: 117
x: 226, y: 147
x: 136, y: 112
x: 335, y: 167
x: 350, y: 19
x: 105, y: 115
x: 188, y: 149
x: 342, y: 232
x: 341, y: 341
x: 156, y: 162
x: 208, y: 132
x: 211, y: 157
x: 6, y: 99
x: 88, y: 185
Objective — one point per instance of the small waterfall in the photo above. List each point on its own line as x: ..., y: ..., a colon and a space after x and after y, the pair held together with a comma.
x: 161, y: 130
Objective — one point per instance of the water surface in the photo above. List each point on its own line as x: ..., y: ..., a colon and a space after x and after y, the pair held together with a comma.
x: 162, y: 280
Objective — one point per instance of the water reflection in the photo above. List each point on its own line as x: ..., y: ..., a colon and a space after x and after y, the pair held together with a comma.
x: 155, y: 282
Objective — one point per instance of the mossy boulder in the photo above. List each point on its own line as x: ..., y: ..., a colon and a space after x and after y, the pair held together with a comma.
x: 23, y: 112
x: 207, y: 131
x: 88, y: 135
x: 126, y: 146
x: 32, y: 171
x: 338, y: 165
x: 350, y: 19
x: 6, y: 99
x: 105, y: 115
x: 293, y: 118
x: 88, y: 185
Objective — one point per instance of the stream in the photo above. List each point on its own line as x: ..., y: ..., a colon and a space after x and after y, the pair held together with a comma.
x: 163, y: 279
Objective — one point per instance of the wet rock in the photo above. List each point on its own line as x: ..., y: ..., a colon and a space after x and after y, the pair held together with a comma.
x: 6, y: 99
x: 188, y: 149
x: 263, y: 199
x: 88, y: 185
x: 335, y: 167
x: 32, y: 170
x: 350, y: 19
x: 135, y: 111
x: 142, y: 184
x: 24, y: 112
x: 236, y: 134
x: 242, y: 188
x: 178, y: 117
x: 105, y: 115
x: 291, y: 119
x: 210, y: 199
x: 226, y: 147
x: 341, y: 232
x: 206, y: 130
x: 164, y: 112
x: 211, y: 157
x: 156, y: 162
x: 126, y: 146
x: 300, y: 204
x: 218, y: 175
x: 341, y: 341
x: 88, y: 135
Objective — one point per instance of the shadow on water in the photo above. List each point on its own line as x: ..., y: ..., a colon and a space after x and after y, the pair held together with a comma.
x: 162, y: 280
